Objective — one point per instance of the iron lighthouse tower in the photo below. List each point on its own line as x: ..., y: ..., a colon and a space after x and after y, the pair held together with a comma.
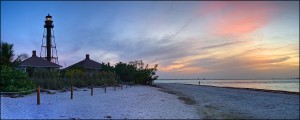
x: 49, y: 46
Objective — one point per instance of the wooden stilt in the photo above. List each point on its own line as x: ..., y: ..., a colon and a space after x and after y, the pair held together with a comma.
x: 38, y: 95
x: 104, y: 88
x: 71, y: 92
x: 92, y: 89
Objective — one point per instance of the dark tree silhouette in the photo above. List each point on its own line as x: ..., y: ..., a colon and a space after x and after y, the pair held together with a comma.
x: 7, y: 54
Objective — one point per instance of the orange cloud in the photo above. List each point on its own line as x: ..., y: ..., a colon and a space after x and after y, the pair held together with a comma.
x: 269, y: 57
x: 172, y: 67
x: 190, y: 70
x: 234, y: 46
x: 183, y: 68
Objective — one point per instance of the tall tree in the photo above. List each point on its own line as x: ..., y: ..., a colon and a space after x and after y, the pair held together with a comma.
x: 7, y: 53
x: 19, y: 59
x: 136, y: 72
x: 107, y: 67
x: 125, y: 71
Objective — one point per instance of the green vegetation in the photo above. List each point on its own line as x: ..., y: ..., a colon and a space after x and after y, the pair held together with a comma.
x: 7, y: 55
x: 77, y: 77
x: 48, y: 78
x: 13, y: 80
x: 80, y: 77
x: 133, y: 72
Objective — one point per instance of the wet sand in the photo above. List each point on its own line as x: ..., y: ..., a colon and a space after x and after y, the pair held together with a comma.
x: 231, y: 103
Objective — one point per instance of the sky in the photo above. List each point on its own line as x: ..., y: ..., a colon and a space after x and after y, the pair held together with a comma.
x: 187, y: 39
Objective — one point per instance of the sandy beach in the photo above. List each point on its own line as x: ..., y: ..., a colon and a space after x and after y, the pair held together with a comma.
x: 138, y: 102
x: 228, y: 103
x: 165, y: 101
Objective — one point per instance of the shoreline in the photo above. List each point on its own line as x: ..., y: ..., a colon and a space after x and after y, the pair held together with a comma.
x: 251, y: 89
x: 226, y: 103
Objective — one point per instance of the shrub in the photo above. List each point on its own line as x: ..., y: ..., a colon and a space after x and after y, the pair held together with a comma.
x: 82, y: 78
x: 48, y: 78
x: 14, y: 80
x: 136, y: 72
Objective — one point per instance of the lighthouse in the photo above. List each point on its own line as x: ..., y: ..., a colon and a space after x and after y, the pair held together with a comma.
x: 48, y: 48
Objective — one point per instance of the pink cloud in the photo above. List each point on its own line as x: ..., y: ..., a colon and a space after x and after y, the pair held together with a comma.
x: 238, y: 18
x: 212, y: 7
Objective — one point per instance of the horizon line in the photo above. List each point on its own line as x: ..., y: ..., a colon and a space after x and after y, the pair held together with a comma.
x: 223, y: 78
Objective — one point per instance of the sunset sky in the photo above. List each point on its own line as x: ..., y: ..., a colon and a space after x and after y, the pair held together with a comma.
x: 236, y: 39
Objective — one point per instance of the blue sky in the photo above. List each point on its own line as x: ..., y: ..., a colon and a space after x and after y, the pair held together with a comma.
x: 187, y: 39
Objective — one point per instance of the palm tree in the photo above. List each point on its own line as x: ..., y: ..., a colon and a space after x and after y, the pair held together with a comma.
x: 7, y: 53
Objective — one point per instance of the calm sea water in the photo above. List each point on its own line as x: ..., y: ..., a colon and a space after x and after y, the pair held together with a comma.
x: 274, y: 84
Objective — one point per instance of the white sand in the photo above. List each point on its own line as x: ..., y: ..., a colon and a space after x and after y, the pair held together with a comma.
x: 228, y: 103
x: 143, y: 102
x: 139, y: 102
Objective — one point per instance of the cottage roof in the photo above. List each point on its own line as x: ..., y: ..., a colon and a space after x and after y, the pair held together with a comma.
x: 86, y: 63
x: 35, y: 61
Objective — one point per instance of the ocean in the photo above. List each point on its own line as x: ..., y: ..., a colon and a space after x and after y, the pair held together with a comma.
x: 291, y: 85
